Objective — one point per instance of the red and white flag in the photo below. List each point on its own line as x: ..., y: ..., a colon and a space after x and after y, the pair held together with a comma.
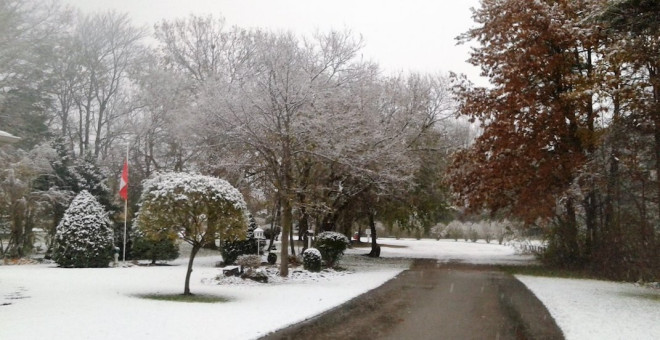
x: 123, y: 182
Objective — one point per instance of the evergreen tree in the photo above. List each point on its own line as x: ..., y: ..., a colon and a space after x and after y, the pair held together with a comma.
x: 72, y: 176
x: 232, y: 249
x: 159, y: 249
x: 84, y: 236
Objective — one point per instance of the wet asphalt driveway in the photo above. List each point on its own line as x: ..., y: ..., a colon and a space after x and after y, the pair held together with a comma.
x: 436, y: 301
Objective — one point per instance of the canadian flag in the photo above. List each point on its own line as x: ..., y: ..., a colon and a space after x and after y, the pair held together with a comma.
x: 123, y: 182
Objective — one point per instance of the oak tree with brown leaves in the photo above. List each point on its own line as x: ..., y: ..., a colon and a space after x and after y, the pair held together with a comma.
x: 537, y: 117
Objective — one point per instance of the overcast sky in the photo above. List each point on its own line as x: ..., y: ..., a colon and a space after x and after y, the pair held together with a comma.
x: 401, y: 35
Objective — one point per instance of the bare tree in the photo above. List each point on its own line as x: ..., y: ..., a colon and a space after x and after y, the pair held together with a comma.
x: 102, y: 51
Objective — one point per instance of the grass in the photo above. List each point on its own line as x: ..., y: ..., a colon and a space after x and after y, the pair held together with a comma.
x: 649, y: 296
x: 185, y: 298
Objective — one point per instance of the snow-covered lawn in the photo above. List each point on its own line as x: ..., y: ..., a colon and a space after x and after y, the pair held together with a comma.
x: 590, y: 309
x: 449, y: 251
x: 43, y: 301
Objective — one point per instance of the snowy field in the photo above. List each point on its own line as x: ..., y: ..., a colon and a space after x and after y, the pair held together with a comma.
x: 43, y: 301
x: 449, y: 251
x: 590, y: 309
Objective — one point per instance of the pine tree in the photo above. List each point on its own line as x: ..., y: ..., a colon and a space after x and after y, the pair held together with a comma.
x: 84, y: 236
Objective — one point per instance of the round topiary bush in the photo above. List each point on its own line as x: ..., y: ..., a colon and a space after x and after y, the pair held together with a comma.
x: 272, y: 258
x: 332, y: 246
x: 84, y: 237
x: 312, y: 260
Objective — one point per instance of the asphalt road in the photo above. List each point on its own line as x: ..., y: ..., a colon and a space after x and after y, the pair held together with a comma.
x: 436, y: 301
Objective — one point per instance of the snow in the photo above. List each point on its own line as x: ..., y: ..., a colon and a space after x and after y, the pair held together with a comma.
x: 449, y: 251
x: 591, y: 309
x: 173, y: 183
x: 38, y: 301
x: 47, y: 301
x: 85, y: 229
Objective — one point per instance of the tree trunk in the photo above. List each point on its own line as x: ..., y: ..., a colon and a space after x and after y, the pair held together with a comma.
x: 591, y: 215
x: 375, y: 248
x: 286, y: 230
x: 292, y: 244
x: 195, y: 249
x: 568, y: 235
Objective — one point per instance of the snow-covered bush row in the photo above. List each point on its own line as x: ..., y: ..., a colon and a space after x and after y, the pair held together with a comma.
x: 487, y: 230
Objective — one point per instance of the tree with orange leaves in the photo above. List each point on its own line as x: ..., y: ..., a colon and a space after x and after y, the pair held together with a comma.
x: 537, y: 117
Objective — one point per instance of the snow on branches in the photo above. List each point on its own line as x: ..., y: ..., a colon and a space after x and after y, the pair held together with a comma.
x: 84, y: 236
x: 197, y: 208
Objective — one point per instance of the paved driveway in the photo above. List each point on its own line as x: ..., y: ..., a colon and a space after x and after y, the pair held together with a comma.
x: 436, y: 301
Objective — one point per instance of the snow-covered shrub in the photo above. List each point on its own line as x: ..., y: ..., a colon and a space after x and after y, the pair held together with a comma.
x: 332, y: 246
x: 487, y: 230
x: 503, y: 231
x: 454, y: 230
x: 251, y: 261
x: 84, y: 236
x: 233, y: 248
x: 312, y: 260
x: 473, y: 234
x: 438, y: 231
x: 465, y: 231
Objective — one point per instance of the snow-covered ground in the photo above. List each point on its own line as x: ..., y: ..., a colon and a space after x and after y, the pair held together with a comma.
x: 590, y: 309
x: 583, y: 309
x: 449, y: 251
x: 43, y: 301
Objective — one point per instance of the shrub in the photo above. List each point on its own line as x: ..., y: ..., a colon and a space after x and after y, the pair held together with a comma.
x: 251, y: 261
x: 439, y: 231
x: 232, y: 249
x: 295, y: 260
x: 270, y: 233
x: 454, y: 231
x: 159, y: 249
x: 272, y: 258
x: 312, y: 260
x: 474, y: 234
x: 84, y: 237
x: 332, y: 246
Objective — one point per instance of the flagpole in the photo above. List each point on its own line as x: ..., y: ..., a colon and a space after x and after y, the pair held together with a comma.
x: 125, y: 213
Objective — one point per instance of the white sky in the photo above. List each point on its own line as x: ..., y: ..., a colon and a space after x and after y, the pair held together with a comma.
x: 401, y: 35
